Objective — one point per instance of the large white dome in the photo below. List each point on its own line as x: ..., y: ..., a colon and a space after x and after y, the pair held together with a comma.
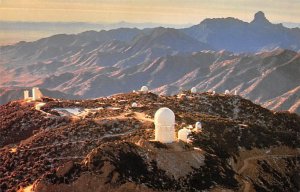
x: 164, y: 117
x: 164, y: 120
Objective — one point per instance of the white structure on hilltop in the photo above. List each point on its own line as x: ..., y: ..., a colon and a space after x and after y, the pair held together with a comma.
x: 36, y: 94
x: 144, y: 89
x: 227, y: 92
x: 134, y: 105
x: 164, y: 120
x: 198, y: 127
x: 183, y: 134
x: 194, y: 90
x: 26, y: 94
x: 214, y: 92
x: 235, y: 92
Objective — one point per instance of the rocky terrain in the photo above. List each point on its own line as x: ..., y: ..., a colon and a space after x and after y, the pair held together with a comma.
x: 104, y: 144
x: 259, y: 59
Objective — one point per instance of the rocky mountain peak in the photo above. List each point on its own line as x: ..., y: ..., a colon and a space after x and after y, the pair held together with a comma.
x: 260, y: 18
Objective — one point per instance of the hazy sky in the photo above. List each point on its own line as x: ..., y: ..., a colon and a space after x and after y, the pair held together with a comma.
x: 156, y: 11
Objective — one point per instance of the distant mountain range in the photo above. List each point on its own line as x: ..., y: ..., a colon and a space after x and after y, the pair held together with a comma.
x: 258, y: 59
x: 13, y: 32
x: 238, y: 36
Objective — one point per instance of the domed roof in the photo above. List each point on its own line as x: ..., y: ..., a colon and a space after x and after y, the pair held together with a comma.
x: 198, y: 125
x: 183, y: 134
x: 164, y: 116
x: 144, y: 88
x: 194, y: 90
x: 134, y: 104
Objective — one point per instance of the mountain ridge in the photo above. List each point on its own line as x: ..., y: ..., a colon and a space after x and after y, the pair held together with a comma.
x: 109, y: 145
x: 93, y: 64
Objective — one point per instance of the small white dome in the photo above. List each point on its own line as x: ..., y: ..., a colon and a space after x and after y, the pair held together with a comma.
x: 226, y: 92
x: 134, y: 104
x: 183, y: 134
x: 214, y: 92
x: 198, y: 125
x: 144, y: 88
x: 164, y: 116
x: 194, y: 90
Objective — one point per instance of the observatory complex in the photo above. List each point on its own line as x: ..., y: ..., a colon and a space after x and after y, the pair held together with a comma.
x: 36, y: 94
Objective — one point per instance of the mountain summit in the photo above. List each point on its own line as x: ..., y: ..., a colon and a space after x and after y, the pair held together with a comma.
x: 235, y: 35
x: 260, y: 19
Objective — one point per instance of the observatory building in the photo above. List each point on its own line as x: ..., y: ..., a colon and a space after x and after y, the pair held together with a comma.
x: 164, y: 120
x: 227, y: 92
x: 144, y: 89
x: 198, y: 127
x: 194, y: 90
x: 134, y: 105
x: 183, y: 134
x: 36, y: 94
x: 26, y: 94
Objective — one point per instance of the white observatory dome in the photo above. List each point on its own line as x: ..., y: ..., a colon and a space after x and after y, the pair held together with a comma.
x: 144, y: 89
x: 226, y: 92
x: 198, y: 126
x: 164, y: 120
x: 214, y: 92
x: 183, y: 134
x: 164, y: 116
x: 134, y: 104
x: 194, y: 90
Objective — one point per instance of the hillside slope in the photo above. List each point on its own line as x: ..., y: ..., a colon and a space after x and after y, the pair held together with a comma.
x: 105, y: 145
